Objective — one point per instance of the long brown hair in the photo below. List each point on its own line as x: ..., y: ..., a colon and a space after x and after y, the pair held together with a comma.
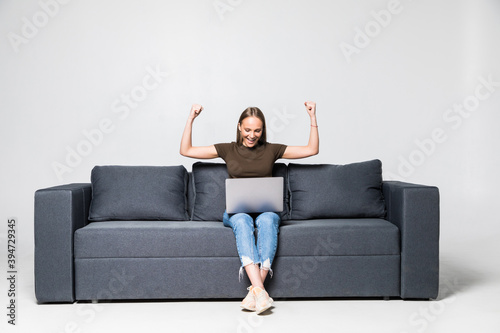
x: 252, y: 112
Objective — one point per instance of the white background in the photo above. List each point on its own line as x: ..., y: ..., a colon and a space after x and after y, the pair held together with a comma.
x: 66, y: 67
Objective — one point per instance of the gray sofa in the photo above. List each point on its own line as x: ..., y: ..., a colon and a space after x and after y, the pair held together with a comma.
x: 139, y: 232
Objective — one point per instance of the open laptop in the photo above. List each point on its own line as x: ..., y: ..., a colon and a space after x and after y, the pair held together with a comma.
x: 254, y: 195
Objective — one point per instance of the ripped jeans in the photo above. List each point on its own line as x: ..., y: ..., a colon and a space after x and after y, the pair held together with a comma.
x: 249, y: 251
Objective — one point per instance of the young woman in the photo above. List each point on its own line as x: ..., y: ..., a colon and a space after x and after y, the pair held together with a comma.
x: 252, y: 156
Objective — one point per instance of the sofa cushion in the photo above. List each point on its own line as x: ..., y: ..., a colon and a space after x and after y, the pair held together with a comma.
x: 174, y: 239
x: 209, y: 191
x: 209, y: 186
x: 336, y: 191
x: 342, y: 237
x: 139, y: 193
x: 154, y: 239
x: 281, y: 170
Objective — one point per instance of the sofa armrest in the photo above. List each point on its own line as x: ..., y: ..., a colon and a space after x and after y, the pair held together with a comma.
x: 59, y: 212
x: 414, y: 209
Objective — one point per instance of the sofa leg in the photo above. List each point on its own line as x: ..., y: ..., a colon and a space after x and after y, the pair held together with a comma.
x: 95, y: 301
x: 386, y: 298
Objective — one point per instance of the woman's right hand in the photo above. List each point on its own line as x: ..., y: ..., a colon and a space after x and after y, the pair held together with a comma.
x: 195, y: 111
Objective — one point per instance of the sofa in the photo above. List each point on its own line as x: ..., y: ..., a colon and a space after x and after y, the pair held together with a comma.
x: 156, y: 232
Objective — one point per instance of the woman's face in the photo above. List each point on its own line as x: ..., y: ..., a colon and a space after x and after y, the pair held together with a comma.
x: 251, y: 131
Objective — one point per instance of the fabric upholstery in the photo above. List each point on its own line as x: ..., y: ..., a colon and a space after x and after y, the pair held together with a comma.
x: 388, y: 254
x: 139, y: 193
x: 152, y: 239
x: 414, y: 209
x: 335, y: 276
x: 281, y: 170
x: 158, y: 278
x: 336, y: 191
x: 59, y: 211
x: 217, y: 277
x: 339, y: 237
x: 149, y: 239
x: 210, y: 190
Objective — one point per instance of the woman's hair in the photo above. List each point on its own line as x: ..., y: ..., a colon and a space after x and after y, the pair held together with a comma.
x: 251, y: 112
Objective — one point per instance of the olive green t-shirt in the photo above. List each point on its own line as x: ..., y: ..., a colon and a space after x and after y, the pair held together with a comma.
x: 244, y: 162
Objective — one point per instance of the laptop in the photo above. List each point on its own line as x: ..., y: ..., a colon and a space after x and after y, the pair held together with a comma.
x: 254, y: 195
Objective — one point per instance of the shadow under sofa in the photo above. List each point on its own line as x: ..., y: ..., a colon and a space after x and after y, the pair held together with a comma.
x: 344, y: 233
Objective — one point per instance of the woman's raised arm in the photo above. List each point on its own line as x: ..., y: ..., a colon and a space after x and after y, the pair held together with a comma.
x: 312, y: 148
x: 187, y: 148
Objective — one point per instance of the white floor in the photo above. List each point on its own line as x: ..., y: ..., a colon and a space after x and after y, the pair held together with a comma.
x: 470, y: 286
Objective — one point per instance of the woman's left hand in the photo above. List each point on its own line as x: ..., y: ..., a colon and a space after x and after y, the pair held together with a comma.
x: 311, y: 108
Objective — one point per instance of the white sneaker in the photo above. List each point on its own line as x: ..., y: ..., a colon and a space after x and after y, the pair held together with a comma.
x: 262, y: 300
x: 248, y: 302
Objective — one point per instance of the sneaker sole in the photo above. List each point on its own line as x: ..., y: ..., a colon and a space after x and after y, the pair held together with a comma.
x: 247, y: 308
x: 267, y: 307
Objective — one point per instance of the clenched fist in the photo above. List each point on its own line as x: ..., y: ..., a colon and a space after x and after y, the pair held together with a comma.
x: 195, y: 110
x: 311, y: 108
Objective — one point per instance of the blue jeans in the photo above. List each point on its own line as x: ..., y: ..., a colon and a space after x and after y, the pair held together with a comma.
x: 249, y: 251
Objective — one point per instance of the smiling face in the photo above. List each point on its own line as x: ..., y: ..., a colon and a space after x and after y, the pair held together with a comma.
x: 250, y: 130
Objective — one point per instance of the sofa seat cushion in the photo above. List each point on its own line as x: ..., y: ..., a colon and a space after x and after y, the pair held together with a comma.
x: 154, y: 239
x: 171, y: 239
x: 338, y: 237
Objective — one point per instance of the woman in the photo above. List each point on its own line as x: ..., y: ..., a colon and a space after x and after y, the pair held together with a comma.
x: 252, y: 156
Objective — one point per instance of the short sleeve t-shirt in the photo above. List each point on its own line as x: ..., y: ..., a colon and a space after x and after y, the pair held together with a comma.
x: 245, y: 162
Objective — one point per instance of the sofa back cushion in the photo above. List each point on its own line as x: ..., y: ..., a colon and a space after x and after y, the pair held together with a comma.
x: 209, y: 191
x: 281, y: 170
x: 139, y: 193
x: 209, y: 187
x: 336, y: 191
